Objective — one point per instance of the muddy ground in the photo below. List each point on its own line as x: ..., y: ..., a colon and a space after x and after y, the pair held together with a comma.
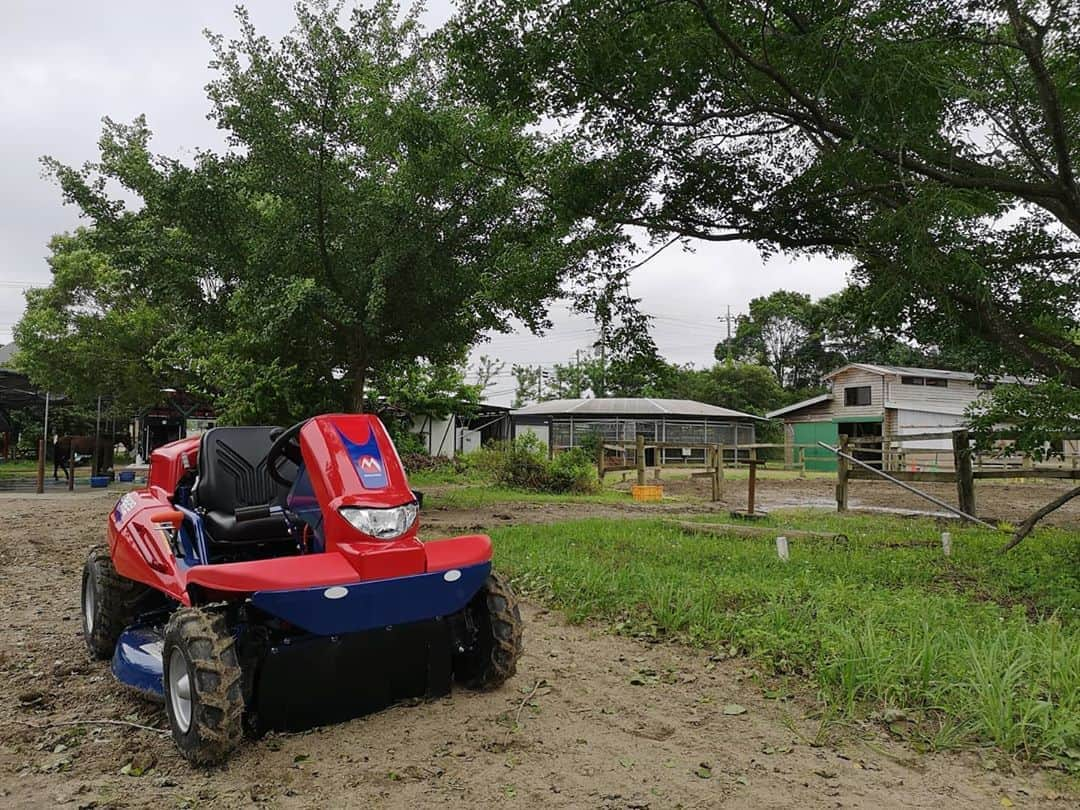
x: 591, y: 719
x: 996, y: 501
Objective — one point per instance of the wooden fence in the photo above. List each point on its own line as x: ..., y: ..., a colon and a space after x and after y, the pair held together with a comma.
x: 708, y: 464
x: 966, y: 466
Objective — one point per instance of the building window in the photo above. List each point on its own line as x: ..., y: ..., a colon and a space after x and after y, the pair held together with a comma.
x: 858, y: 395
x: 936, y: 382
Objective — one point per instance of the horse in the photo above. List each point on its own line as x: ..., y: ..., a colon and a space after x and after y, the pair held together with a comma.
x: 68, y: 448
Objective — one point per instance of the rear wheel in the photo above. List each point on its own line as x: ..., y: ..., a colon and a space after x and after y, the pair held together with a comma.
x: 496, y: 619
x: 202, y: 686
x: 108, y: 603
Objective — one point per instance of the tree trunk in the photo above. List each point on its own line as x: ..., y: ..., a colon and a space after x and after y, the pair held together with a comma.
x: 358, y: 380
x: 1025, y: 528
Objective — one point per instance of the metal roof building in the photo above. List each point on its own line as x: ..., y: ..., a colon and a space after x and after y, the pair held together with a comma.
x: 565, y: 423
x: 868, y: 399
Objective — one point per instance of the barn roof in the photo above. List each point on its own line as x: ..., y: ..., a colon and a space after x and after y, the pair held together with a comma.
x: 876, y: 368
x: 16, y: 391
x: 629, y: 406
x: 911, y: 371
x: 798, y: 406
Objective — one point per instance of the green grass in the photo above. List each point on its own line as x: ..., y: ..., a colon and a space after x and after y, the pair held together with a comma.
x: 426, y: 478
x: 978, y: 648
x: 20, y: 469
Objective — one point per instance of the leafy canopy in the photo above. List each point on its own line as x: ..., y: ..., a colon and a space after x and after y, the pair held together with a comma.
x: 363, y: 217
x: 936, y: 144
x: 802, y: 340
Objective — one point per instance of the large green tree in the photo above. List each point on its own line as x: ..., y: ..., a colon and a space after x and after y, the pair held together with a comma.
x: 363, y: 217
x: 780, y: 332
x: 801, y: 340
x: 935, y: 144
x: 746, y: 387
x: 91, y: 333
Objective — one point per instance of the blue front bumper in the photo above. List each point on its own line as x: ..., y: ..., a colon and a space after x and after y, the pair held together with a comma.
x: 366, y: 605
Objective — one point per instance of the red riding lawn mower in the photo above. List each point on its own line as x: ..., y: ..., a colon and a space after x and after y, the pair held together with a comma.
x: 271, y: 579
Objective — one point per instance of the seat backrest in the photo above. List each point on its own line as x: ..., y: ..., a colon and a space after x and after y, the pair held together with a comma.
x: 232, y: 469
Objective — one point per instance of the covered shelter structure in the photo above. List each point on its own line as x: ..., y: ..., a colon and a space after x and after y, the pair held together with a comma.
x: 468, y: 429
x: 564, y: 423
x: 16, y: 393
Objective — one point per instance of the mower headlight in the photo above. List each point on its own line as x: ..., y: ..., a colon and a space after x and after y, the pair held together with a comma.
x: 383, y: 524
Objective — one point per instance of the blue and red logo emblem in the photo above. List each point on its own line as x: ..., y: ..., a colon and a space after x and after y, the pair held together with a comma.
x: 368, y: 461
x: 370, y: 468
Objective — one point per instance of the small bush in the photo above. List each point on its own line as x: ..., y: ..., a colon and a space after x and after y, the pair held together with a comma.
x: 524, y: 464
x: 422, y: 462
x: 573, y: 471
x: 406, y: 442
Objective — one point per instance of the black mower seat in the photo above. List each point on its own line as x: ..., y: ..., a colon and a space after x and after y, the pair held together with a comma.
x: 232, y: 473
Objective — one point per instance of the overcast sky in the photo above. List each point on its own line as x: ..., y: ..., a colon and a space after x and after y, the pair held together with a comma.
x: 65, y: 65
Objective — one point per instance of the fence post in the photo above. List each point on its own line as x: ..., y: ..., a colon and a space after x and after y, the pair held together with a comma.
x: 639, y: 459
x: 965, y: 478
x: 802, y: 462
x: 600, y: 465
x: 717, y: 468
x: 842, y: 477
x: 751, y: 487
x: 40, y: 488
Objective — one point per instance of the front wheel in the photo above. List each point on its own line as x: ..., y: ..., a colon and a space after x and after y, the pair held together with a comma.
x: 496, y: 620
x: 108, y: 603
x: 202, y: 686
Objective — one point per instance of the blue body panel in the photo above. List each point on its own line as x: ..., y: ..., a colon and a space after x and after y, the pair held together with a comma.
x: 323, y: 611
x: 375, y: 603
x: 137, y: 660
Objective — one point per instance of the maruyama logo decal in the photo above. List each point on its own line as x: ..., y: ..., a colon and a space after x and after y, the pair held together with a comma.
x: 368, y: 460
x: 369, y: 465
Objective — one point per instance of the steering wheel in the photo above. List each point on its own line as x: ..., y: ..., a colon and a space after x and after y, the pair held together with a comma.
x: 286, y: 447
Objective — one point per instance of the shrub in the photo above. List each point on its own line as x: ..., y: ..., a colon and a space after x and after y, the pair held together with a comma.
x: 422, y: 462
x: 524, y: 464
x: 406, y: 442
x: 573, y: 471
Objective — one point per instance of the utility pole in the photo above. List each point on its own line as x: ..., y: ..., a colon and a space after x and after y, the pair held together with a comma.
x: 729, y: 319
x: 540, y: 376
x: 603, y: 359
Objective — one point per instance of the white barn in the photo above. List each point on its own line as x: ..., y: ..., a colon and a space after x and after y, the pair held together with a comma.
x: 866, y: 399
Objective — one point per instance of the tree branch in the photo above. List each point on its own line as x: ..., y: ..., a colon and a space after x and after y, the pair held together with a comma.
x: 946, y: 167
x: 1025, y: 528
x: 1032, y: 46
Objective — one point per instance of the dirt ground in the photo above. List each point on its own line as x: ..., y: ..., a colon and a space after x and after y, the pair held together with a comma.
x: 591, y: 720
x: 996, y: 501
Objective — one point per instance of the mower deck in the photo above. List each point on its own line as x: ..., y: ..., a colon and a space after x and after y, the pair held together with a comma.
x: 318, y: 680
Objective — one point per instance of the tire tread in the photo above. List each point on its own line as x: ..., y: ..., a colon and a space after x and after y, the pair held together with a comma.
x: 217, y: 713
